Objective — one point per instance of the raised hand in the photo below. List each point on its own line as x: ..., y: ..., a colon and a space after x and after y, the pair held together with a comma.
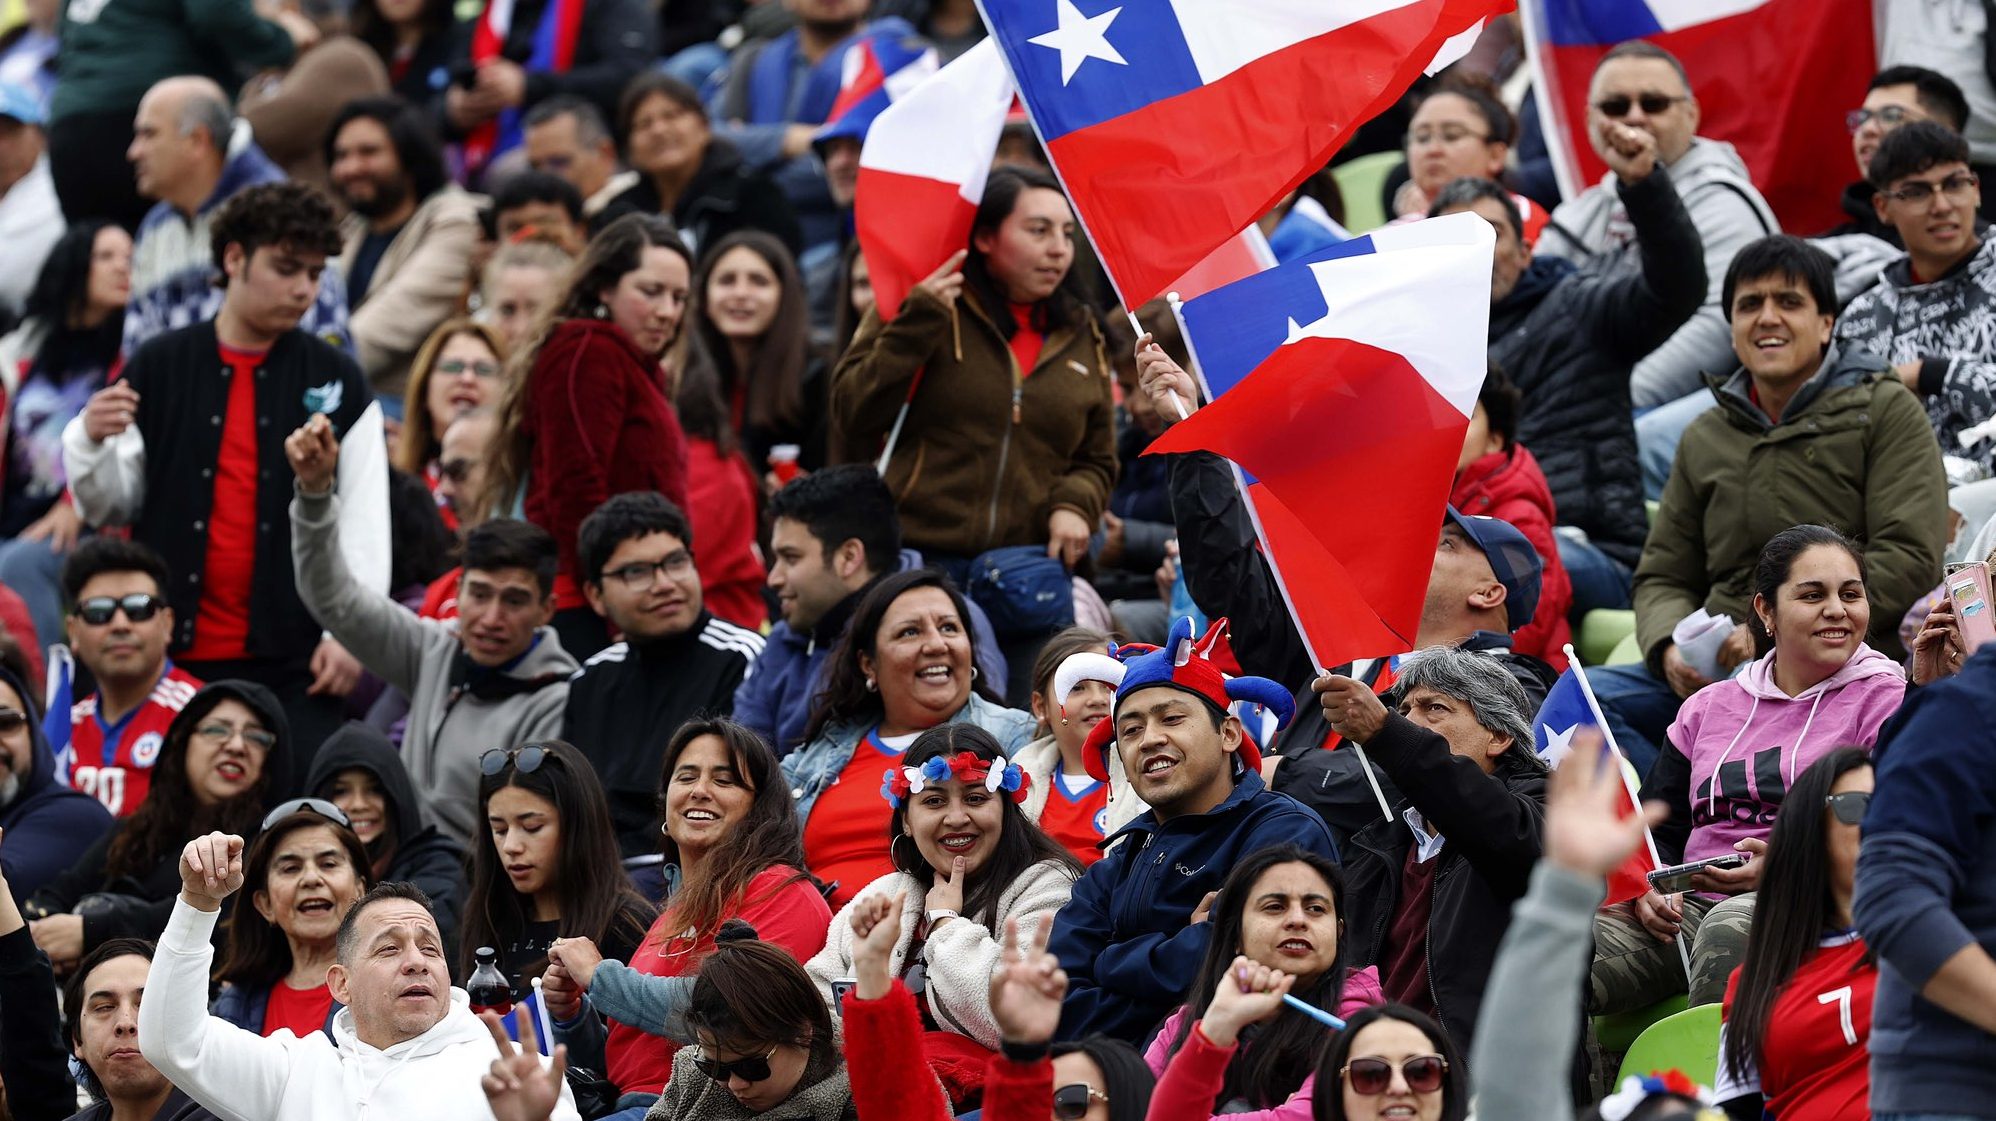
x: 1350, y: 706
x: 876, y: 927
x: 1584, y: 829
x: 1248, y: 994
x: 944, y: 284
x: 1939, y: 648
x: 1169, y: 387
x: 211, y: 870
x: 110, y: 411
x: 578, y: 957
x: 1027, y: 987
x: 517, y: 1087
x: 946, y: 894
x: 1628, y: 151
x: 314, y: 453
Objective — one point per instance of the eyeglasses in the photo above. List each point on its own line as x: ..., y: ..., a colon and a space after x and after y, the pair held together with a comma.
x: 318, y: 806
x: 1892, y: 116
x: 99, y: 610
x: 452, y: 367
x: 754, y: 1068
x: 1372, y: 1077
x: 1070, y: 1102
x: 644, y: 574
x: 1849, y: 806
x: 12, y: 720
x: 525, y: 760
x: 457, y: 470
x: 1917, y: 191
x: 1618, y: 105
x: 219, y: 733
x: 1446, y: 134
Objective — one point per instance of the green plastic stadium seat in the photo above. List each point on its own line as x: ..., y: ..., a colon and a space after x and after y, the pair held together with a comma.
x: 1600, y: 632
x: 1687, y: 1041
x: 1360, y: 182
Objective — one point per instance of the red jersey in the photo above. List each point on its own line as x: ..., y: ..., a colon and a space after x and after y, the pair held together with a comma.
x: 221, y: 615
x: 299, y: 1011
x: 1078, y: 821
x: 113, y: 762
x: 1816, y: 1057
x: 845, y: 840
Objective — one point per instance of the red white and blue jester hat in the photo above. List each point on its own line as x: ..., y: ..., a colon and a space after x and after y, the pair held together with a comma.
x: 1182, y: 663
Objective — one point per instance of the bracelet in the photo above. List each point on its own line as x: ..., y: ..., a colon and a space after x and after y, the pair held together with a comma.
x: 941, y: 913
x: 1020, y: 1052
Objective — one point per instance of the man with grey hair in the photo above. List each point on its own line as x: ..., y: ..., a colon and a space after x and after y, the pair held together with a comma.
x: 191, y: 153
x: 566, y: 136
x: 1428, y: 892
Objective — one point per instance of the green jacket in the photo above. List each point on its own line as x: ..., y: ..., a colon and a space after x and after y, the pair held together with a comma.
x: 1853, y: 450
x: 114, y: 50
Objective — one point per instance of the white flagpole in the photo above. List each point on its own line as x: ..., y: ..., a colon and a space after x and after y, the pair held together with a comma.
x: 1261, y: 535
x: 1624, y: 769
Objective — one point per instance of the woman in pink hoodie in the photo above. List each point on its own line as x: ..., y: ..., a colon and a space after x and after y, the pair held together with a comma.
x: 1735, y: 749
x: 1280, y: 909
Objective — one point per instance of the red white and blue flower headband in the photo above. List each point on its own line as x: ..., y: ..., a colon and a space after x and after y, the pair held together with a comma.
x: 898, y: 783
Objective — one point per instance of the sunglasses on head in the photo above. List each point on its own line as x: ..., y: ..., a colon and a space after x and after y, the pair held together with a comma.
x: 1849, y: 806
x: 1372, y: 1077
x: 99, y: 610
x: 318, y: 806
x: 1619, y: 104
x: 1070, y: 1102
x: 525, y: 760
x: 752, y: 1068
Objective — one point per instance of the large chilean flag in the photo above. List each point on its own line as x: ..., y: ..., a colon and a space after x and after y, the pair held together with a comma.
x: 1773, y: 77
x: 1176, y: 123
x: 1342, y: 385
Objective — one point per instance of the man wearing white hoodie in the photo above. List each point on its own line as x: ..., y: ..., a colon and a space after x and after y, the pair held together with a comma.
x: 405, y: 1046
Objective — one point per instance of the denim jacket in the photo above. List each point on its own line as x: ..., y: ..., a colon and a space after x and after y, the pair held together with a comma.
x: 815, y: 766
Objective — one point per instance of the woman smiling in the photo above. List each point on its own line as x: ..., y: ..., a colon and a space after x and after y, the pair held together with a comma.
x: 302, y: 873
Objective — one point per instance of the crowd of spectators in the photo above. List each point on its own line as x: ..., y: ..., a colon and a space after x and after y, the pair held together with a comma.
x: 494, y: 620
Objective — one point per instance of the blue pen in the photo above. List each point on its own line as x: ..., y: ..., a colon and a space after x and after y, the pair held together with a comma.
x: 1314, y: 1012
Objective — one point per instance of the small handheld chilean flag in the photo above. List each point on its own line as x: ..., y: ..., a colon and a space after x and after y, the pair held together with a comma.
x: 879, y: 70
x: 1569, y: 707
x: 1176, y: 123
x: 1343, y: 384
x: 1772, y: 78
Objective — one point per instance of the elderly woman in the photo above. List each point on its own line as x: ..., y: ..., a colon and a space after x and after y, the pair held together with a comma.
x: 1451, y: 861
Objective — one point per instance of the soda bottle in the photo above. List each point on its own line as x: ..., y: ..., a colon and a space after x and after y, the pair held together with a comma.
x: 487, y: 987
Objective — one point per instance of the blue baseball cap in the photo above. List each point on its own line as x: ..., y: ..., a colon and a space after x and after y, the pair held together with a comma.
x: 1512, y: 559
x: 21, y: 104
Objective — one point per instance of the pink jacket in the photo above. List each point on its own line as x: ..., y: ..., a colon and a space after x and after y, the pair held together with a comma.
x: 1746, y: 740
x: 1188, y: 1081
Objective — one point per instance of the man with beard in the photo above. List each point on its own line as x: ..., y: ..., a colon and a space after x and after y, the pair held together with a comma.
x: 407, y: 245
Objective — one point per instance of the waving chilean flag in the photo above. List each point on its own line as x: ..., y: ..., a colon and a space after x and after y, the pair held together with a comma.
x: 1570, y: 707
x: 1773, y: 77
x: 1176, y: 123
x: 878, y: 70
x: 1342, y: 384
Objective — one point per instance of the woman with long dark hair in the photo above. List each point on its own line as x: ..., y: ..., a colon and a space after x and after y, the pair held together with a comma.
x: 750, y: 326
x: 903, y: 668
x: 1391, y: 1059
x: 1784, y: 1050
x: 302, y: 872
x: 1460, y: 128
x: 457, y: 370
x: 1010, y: 437
x: 1735, y: 749
x: 65, y: 349
x: 549, y: 867
x: 224, y: 758
x: 732, y: 850
x: 585, y: 414
x: 967, y: 862
x: 1280, y: 909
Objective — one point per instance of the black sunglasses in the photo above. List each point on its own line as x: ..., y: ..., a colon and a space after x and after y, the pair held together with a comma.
x: 318, y: 806
x: 1849, y: 806
x: 1070, y: 1102
x: 753, y: 1068
x: 1653, y: 103
x: 99, y: 610
x: 12, y: 720
x: 525, y: 760
x: 1372, y: 1077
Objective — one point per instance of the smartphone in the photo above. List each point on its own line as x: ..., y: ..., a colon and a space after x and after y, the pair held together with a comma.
x: 1968, y: 591
x: 1670, y: 881
x: 841, y: 987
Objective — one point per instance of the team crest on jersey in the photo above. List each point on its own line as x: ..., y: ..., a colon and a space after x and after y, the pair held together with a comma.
x: 145, y: 750
x: 325, y: 398
x: 1102, y: 821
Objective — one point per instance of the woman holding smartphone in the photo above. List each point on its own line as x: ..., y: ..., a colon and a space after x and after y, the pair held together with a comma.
x: 1735, y: 751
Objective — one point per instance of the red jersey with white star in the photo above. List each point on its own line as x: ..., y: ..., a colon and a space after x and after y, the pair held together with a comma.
x: 113, y: 762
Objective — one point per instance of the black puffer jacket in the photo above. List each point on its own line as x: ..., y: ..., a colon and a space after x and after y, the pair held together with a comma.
x: 1569, y: 338
x: 422, y: 856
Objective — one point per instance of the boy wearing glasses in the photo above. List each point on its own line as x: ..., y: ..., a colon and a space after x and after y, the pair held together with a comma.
x: 1932, y: 314
x: 119, y: 625
x: 495, y: 676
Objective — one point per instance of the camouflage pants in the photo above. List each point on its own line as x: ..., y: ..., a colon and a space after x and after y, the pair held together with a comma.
x: 1632, y: 969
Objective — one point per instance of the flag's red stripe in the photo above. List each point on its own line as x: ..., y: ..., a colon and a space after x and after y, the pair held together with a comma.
x: 907, y: 226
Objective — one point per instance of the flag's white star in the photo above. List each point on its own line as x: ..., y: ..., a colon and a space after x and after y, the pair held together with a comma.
x: 1079, y: 38
x: 1558, y: 744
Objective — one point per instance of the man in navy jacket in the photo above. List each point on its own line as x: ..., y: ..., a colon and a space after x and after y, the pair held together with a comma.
x: 1128, y: 938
